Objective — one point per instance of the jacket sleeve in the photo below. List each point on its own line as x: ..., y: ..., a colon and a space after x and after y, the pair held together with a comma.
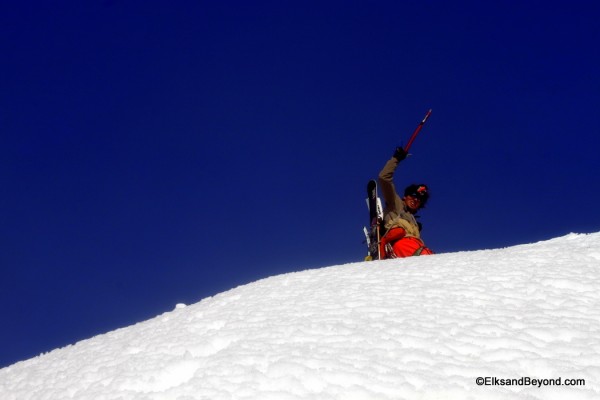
x: 386, y: 182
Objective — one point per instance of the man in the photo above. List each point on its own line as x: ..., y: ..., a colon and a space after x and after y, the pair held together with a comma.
x: 402, y: 232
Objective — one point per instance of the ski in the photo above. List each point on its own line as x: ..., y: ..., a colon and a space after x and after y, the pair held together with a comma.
x: 375, y: 218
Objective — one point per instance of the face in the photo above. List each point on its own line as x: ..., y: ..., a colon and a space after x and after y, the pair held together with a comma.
x: 413, y: 203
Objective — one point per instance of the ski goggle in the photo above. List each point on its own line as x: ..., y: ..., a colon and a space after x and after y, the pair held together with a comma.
x: 419, y: 193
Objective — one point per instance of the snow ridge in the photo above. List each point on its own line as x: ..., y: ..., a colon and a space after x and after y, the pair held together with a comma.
x: 418, y: 328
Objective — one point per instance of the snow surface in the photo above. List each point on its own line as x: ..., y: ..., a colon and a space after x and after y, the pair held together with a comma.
x: 418, y: 328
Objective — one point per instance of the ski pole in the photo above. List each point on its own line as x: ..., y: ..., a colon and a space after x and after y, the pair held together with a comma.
x: 416, y: 132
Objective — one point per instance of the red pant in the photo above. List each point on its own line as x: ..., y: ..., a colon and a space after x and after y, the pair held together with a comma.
x: 403, y: 246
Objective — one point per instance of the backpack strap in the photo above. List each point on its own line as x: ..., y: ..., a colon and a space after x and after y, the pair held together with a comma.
x: 419, y: 251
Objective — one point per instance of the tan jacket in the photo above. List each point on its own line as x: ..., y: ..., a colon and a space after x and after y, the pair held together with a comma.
x: 395, y: 212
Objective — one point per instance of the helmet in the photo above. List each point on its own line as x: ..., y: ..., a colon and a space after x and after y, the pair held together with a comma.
x: 420, y: 191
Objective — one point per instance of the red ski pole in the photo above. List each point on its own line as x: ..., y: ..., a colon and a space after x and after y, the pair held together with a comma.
x: 416, y: 132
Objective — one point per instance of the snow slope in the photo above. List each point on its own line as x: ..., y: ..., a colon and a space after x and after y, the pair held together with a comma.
x: 418, y: 328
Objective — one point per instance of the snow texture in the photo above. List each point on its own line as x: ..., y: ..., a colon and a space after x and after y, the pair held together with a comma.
x: 418, y: 328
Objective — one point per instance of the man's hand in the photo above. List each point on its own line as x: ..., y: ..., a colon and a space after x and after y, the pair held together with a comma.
x: 400, y: 154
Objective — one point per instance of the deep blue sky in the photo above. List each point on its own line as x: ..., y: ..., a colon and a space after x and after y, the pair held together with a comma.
x: 162, y: 152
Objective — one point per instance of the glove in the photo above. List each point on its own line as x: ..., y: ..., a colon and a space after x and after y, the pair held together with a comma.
x: 400, y: 154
